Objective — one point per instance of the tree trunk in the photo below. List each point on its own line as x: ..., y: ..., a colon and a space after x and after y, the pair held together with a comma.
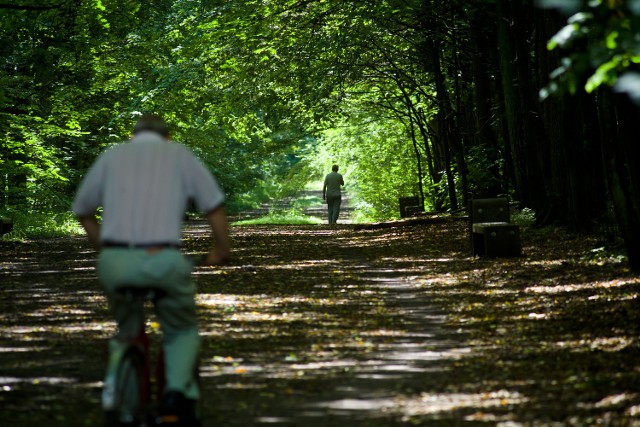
x: 438, y: 148
x: 446, y: 125
x: 621, y: 160
x: 418, y: 159
x: 572, y: 162
x: 429, y: 52
x: 480, y: 124
x: 520, y: 105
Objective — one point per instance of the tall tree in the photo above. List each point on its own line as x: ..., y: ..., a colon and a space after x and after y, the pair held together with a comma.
x: 599, y: 49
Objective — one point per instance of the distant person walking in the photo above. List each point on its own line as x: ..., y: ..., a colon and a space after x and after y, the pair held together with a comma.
x: 332, y: 193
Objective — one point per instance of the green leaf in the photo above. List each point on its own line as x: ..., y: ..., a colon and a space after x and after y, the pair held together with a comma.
x: 565, y: 6
x: 611, y: 40
x: 629, y: 83
x: 564, y: 36
x: 604, y: 74
x: 634, y: 6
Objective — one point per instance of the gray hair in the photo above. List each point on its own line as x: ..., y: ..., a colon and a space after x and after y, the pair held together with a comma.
x: 151, y: 123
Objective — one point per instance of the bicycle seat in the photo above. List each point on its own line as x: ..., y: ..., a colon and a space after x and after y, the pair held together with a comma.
x: 137, y: 292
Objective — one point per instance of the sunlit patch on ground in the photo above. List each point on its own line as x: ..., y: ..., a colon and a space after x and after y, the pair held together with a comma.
x: 575, y: 287
x: 427, y: 403
x: 7, y: 382
x: 606, y: 344
x: 315, y: 326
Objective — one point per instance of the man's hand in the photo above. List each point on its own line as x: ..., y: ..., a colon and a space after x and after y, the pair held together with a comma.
x: 215, y: 257
x: 221, y: 253
x: 92, y: 228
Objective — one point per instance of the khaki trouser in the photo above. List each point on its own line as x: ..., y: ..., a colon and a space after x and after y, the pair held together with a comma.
x: 169, y: 271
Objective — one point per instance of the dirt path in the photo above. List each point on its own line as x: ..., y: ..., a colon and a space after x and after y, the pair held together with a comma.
x: 319, y: 326
x: 316, y: 208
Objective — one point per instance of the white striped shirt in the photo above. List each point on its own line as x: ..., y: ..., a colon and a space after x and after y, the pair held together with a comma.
x: 143, y: 187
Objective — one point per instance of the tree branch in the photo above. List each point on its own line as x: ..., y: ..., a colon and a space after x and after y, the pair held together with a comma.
x: 27, y: 7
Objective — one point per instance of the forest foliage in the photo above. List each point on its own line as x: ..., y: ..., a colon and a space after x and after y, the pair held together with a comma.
x: 447, y: 100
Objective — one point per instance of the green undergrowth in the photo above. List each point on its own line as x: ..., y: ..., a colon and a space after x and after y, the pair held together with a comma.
x: 306, y: 201
x: 33, y: 224
x: 291, y: 217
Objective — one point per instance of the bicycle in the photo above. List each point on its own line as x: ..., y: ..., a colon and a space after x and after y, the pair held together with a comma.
x: 128, y: 395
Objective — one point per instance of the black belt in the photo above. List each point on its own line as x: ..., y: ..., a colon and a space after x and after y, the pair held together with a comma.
x: 110, y: 244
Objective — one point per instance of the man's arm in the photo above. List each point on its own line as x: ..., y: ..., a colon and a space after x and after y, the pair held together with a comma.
x: 221, y: 252
x: 324, y: 189
x: 92, y: 228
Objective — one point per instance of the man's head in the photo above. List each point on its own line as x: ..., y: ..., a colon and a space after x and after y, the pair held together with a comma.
x: 151, y: 123
x: 334, y: 168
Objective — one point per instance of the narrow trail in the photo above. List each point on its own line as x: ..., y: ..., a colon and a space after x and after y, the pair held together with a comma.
x: 319, y: 210
x: 316, y: 208
x: 349, y: 331
x: 347, y: 326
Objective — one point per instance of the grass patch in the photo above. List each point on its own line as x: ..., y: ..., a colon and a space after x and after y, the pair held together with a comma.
x: 34, y: 225
x: 306, y: 202
x: 292, y: 217
x: 315, y: 185
x: 524, y: 218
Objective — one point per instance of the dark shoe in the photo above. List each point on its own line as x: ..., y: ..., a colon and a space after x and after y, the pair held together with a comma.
x: 177, y: 411
x: 114, y: 419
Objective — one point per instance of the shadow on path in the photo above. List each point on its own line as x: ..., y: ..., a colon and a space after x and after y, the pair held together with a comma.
x: 330, y: 330
x: 337, y: 326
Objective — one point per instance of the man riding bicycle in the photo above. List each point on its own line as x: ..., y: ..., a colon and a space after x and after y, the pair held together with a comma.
x: 143, y: 187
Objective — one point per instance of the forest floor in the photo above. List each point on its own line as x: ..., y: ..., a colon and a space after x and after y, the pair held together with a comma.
x: 348, y: 326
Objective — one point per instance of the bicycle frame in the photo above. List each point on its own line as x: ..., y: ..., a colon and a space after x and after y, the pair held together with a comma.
x: 141, y: 344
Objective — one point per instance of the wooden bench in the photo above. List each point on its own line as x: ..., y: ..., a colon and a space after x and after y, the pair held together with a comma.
x: 492, y: 235
x: 409, y: 206
x: 6, y: 225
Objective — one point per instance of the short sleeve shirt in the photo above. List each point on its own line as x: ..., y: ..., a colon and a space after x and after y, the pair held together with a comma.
x: 143, y: 187
x: 333, y: 181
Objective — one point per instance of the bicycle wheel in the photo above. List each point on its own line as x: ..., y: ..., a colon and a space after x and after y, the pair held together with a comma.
x: 130, y: 391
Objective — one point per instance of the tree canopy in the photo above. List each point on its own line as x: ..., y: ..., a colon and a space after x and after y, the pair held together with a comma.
x: 446, y: 100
